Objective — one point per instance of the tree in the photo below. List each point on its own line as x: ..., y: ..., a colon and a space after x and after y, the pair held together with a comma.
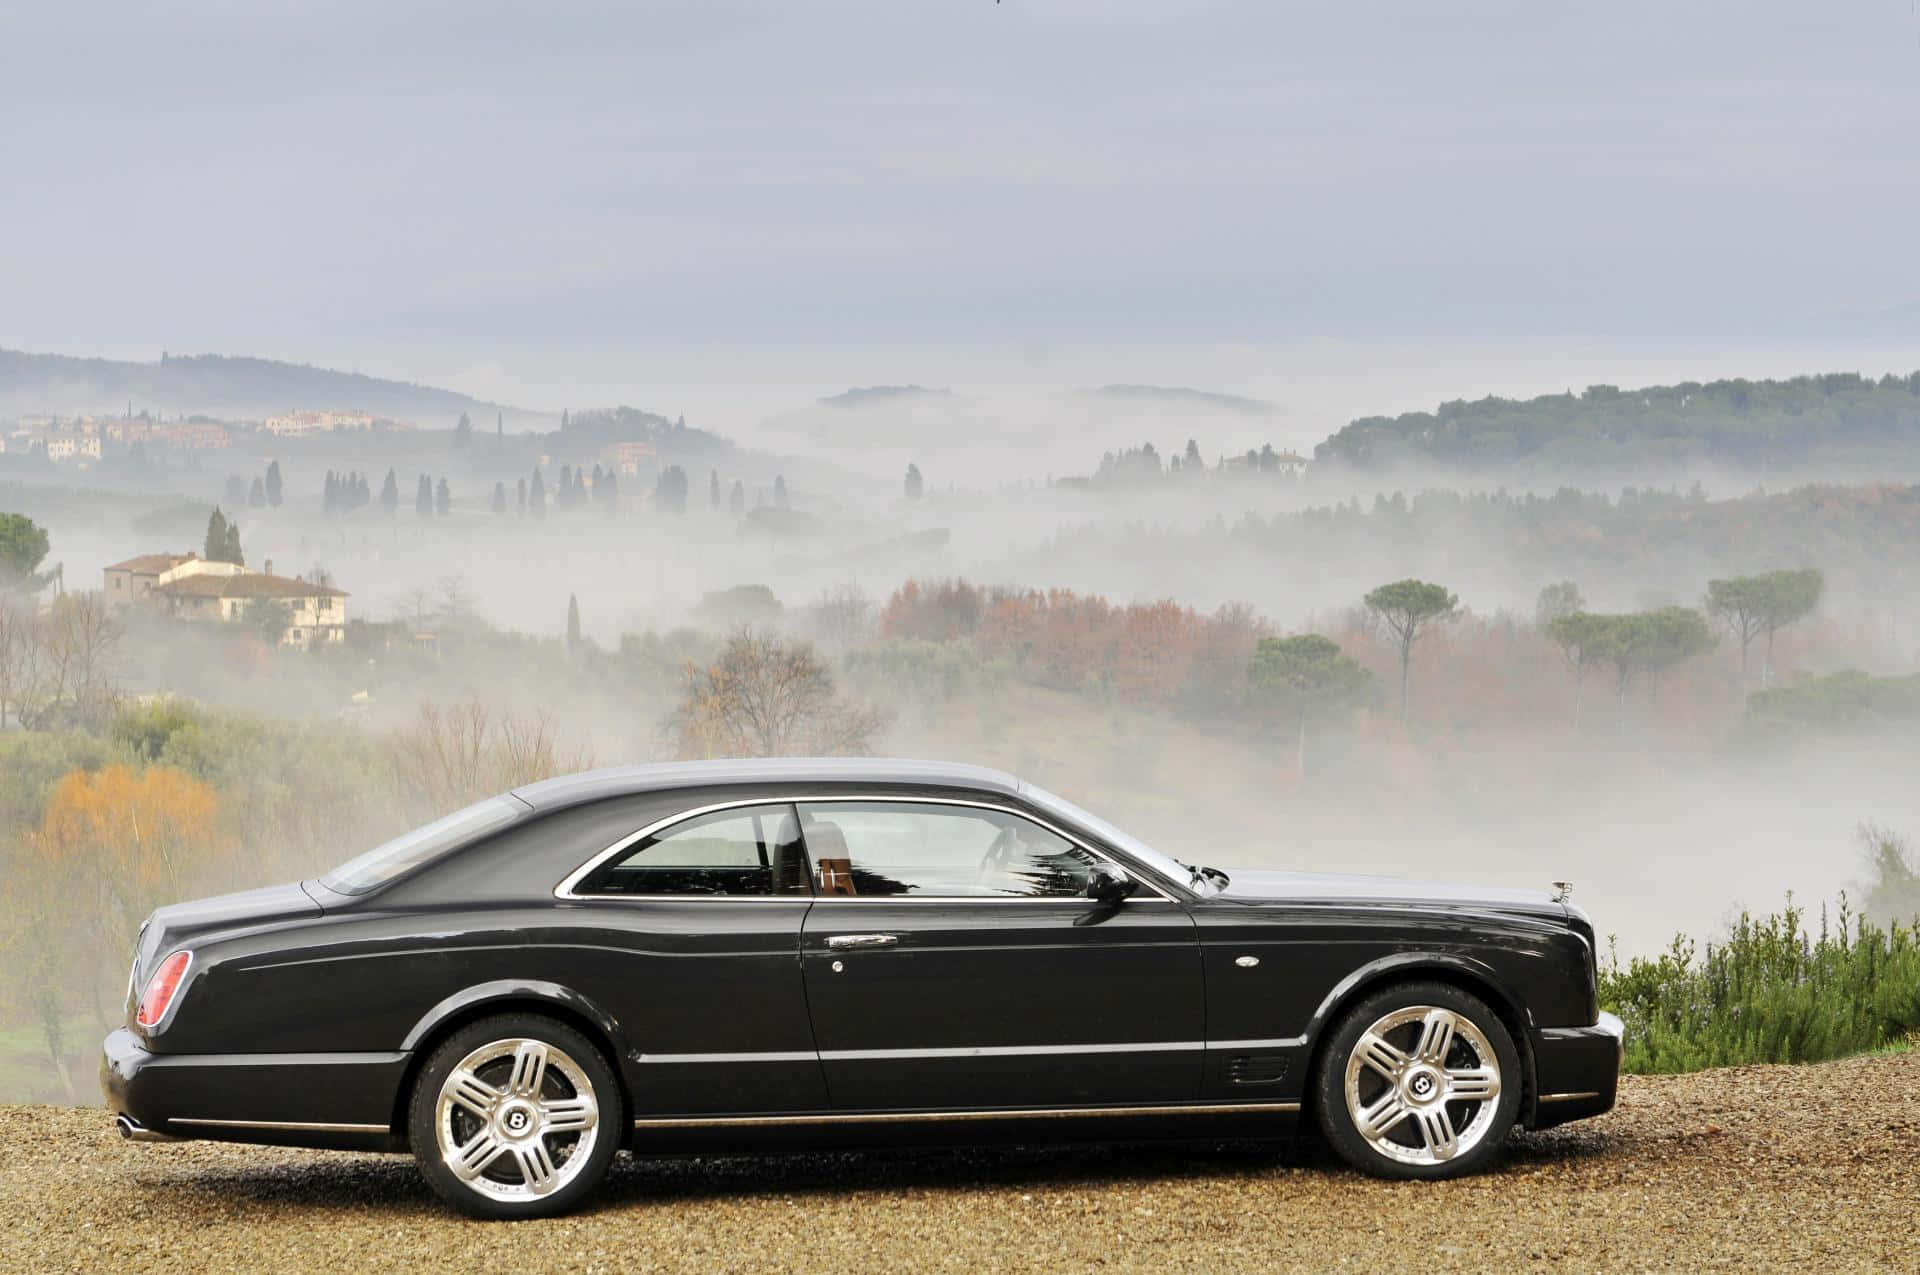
x: 1303, y: 671
x: 768, y: 697
x: 1193, y: 461
x: 1556, y: 601
x: 442, y: 498
x: 23, y: 546
x: 1582, y: 638
x: 390, y: 493
x: 573, y: 623
x: 463, y: 433
x: 520, y: 499
x: 257, y: 494
x: 1751, y: 605
x: 423, y: 496
x: 610, y: 495
x: 737, y: 498
x: 233, y: 553
x: 1409, y: 608
x: 537, y: 496
x: 780, y: 499
x: 270, y: 618
x: 273, y: 483
x: 915, y: 485
x: 499, y: 498
x: 1671, y: 636
x: 236, y: 490
x: 713, y: 490
x: 214, y: 547
x: 670, y: 490
x: 453, y: 757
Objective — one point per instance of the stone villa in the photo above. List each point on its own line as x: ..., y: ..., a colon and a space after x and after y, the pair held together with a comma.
x: 193, y: 588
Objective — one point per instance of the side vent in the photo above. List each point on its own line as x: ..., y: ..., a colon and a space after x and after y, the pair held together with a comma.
x: 1256, y: 1069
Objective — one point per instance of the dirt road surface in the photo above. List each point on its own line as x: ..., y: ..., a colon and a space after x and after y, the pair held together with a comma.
x: 1753, y: 1168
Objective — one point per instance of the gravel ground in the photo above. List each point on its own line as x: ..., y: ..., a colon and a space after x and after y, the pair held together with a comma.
x: 1750, y: 1168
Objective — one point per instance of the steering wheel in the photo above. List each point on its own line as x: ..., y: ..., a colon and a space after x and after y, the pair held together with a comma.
x: 997, y: 857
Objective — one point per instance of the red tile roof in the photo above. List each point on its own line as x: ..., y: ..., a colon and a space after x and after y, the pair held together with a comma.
x: 152, y: 563
x: 251, y: 585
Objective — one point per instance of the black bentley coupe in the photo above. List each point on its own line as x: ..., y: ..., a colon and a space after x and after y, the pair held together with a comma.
x: 794, y: 953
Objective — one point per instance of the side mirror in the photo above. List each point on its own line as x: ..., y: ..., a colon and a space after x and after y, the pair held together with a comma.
x: 1106, y: 885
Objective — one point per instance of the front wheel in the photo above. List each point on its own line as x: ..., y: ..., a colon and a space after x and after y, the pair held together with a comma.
x: 1420, y: 1080
x: 515, y: 1116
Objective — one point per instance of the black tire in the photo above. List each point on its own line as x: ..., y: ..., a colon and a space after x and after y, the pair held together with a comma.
x: 1414, y: 1144
x: 531, y: 1075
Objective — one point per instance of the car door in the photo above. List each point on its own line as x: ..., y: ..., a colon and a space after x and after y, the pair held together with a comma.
x: 707, y: 911
x: 952, y: 961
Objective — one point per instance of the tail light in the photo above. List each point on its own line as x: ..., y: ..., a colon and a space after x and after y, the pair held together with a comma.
x: 162, y: 988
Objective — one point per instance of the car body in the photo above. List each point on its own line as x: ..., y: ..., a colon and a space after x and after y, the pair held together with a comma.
x: 790, y: 952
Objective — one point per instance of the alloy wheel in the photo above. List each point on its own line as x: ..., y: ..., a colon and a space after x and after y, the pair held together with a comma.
x: 516, y: 1119
x: 1422, y: 1085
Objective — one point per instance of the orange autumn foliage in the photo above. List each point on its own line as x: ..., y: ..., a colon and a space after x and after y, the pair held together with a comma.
x: 145, y: 837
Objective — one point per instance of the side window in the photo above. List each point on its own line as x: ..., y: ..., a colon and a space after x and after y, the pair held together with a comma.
x: 879, y: 848
x: 752, y: 850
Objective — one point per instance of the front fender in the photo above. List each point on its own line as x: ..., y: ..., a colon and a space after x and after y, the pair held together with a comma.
x: 1400, y: 965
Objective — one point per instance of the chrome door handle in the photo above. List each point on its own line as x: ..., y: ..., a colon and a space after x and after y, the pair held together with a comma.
x: 862, y: 940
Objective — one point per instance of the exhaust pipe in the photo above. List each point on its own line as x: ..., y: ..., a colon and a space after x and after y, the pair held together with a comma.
x: 132, y: 1130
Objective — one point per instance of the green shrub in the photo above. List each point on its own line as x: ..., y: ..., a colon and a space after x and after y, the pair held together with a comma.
x: 1772, y: 992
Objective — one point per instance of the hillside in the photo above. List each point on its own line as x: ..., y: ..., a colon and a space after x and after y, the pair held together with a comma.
x: 1838, y: 420
x: 229, y: 388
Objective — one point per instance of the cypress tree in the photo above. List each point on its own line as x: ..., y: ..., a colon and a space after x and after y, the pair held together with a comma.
x: 273, y: 483
x: 214, y: 548
x: 390, y: 493
x: 423, y: 496
x: 442, y: 498
x: 573, y: 622
x: 499, y: 498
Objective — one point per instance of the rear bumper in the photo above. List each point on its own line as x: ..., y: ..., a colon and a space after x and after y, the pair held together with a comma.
x: 1576, y: 1071
x: 307, y: 1100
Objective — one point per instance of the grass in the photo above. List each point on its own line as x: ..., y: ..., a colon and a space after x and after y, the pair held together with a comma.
x: 1774, y: 991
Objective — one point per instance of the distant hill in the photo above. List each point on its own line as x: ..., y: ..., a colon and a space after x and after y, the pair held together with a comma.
x: 1181, y: 396
x: 1835, y: 420
x: 881, y: 395
x: 229, y: 388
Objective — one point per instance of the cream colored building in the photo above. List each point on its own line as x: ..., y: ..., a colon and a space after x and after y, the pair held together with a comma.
x: 192, y: 588
x: 296, y: 424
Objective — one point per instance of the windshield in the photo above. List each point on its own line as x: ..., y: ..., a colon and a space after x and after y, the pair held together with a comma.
x: 404, y: 853
x: 1171, y: 869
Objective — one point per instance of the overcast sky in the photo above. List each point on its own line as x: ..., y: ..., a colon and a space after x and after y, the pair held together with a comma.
x: 1336, y: 206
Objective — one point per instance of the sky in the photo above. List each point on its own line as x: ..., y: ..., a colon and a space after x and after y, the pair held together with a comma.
x: 721, y: 208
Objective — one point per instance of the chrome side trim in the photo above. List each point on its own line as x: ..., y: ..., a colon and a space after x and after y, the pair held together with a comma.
x: 1026, y: 1113
x: 565, y: 890
x: 751, y: 1056
x: 1014, y: 1051
x: 306, y: 1126
x: 1569, y: 1097
x: 1278, y: 1042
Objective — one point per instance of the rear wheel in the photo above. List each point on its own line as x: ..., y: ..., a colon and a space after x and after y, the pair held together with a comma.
x: 1421, y: 1080
x: 515, y: 1116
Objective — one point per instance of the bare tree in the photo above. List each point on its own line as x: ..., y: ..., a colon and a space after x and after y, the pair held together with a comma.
x: 454, y: 756
x: 82, y: 637
x: 767, y: 697
x: 843, y: 617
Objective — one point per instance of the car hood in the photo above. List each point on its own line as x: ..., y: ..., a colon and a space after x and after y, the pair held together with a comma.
x: 179, y: 924
x: 1338, y: 887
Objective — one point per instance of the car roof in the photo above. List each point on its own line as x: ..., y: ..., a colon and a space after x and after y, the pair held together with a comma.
x: 620, y: 781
